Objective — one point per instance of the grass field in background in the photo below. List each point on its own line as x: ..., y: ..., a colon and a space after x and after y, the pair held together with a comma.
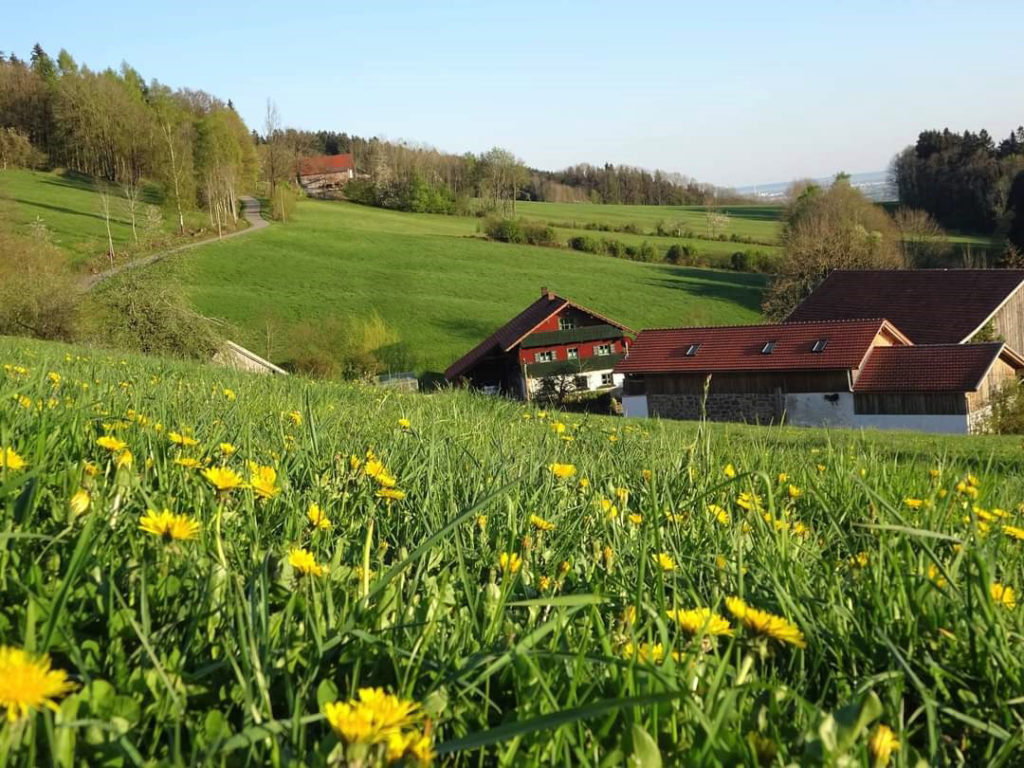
x: 511, y: 572
x: 69, y: 205
x: 441, y: 287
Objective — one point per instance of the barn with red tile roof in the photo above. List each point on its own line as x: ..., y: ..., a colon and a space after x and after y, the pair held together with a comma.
x: 554, y: 347
x: 323, y: 173
x: 931, y: 306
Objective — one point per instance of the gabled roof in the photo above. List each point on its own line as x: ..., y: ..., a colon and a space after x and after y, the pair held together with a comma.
x: 931, y: 306
x: 516, y: 329
x: 573, y: 335
x: 311, y: 166
x: 932, y: 367
x: 740, y: 347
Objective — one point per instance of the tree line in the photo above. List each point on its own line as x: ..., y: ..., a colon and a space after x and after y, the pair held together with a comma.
x: 115, y: 127
x: 967, y: 182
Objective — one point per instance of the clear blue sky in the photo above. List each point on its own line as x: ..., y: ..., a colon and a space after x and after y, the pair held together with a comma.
x: 732, y: 93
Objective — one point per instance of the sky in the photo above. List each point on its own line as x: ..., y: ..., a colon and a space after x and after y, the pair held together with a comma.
x: 729, y: 93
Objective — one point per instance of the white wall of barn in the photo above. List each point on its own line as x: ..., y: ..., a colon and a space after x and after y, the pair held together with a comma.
x: 593, y: 381
x: 820, y: 409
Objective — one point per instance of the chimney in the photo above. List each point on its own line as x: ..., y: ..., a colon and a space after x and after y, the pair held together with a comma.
x: 546, y: 294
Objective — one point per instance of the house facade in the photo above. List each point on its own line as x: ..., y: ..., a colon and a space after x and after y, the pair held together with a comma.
x: 325, y: 173
x: 553, y: 347
x: 842, y: 373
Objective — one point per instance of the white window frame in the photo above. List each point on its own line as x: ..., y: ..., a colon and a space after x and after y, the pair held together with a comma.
x: 607, y: 379
x: 544, y: 357
x: 572, y: 353
x: 566, y: 324
x: 603, y: 350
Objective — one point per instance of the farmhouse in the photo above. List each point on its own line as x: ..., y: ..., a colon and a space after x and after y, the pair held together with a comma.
x: 324, y: 173
x: 850, y: 373
x: 931, y: 306
x: 554, y: 345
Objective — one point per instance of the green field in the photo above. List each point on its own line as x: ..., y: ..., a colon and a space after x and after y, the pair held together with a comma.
x: 225, y: 636
x: 436, y: 281
x: 69, y: 206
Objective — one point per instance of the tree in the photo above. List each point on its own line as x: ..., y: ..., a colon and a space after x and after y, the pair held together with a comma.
x: 826, y: 229
x: 502, y: 176
x: 924, y: 242
x: 275, y: 156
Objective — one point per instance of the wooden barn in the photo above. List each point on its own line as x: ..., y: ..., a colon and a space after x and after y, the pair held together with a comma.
x: 554, y: 345
x: 931, y: 306
x: 325, y: 173
x: 844, y: 373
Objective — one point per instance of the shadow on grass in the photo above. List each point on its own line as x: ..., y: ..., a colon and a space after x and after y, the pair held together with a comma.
x: 71, y: 211
x: 753, y: 212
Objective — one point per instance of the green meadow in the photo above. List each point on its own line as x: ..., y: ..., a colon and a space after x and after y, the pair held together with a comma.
x: 206, y: 568
x: 435, y: 281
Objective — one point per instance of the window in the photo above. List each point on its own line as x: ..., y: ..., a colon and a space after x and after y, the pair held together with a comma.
x: 607, y: 380
x: 572, y: 353
x: 580, y: 382
x: 602, y: 350
x: 691, y: 351
x: 768, y: 348
x: 819, y: 345
x: 566, y: 323
x: 544, y: 357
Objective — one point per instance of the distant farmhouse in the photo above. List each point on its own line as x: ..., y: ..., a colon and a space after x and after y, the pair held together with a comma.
x: 921, y: 350
x: 552, y: 345
x: 325, y: 173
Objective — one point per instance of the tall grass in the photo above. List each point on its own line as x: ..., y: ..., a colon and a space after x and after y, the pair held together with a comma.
x: 218, y: 651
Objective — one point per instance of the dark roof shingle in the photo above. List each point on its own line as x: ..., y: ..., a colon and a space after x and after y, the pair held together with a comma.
x: 930, y: 368
x: 931, y: 306
x: 739, y: 348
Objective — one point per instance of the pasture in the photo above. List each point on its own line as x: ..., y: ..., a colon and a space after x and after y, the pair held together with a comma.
x: 215, y: 565
x: 438, y: 284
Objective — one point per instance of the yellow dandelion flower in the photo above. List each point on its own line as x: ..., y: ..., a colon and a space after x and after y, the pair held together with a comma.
x: 1014, y: 532
x: 562, y: 471
x: 646, y: 474
x: 935, y: 576
x: 9, y: 459
x: 169, y: 526
x: 229, y: 394
x: 1003, y: 595
x: 608, y: 555
x: 749, y: 501
x: 635, y: 518
x: 622, y: 494
x: 934, y: 474
x: 295, y: 417
x: 783, y: 478
x: 404, y: 424
x: 390, y: 494
x: 664, y: 561
x: 541, y: 524
x: 125, y: 460
x: 228, y: 449
x: 720, y: 514
x: 644, y: 652
x: 318, y: 517
x: 860, y: 560
x: 181, y: 439
x: 263, y: 480
x: 729, y: 471
x: 80, y: 502
x: 509, y: 562
x: 372, y: 717
x: 481, y: 522
x: 584, y: 483
x: 24, y: 401
x: 764, y: 623
x: 112, y: 444
x: 882, y: 743
x: 543, y: 584
x: 794, y: 492
x: 303, y: 561
x: 700, y: 621
x: 28, y: 683
x: 223, y: 478
x: 187, y: 461
x: 914, y: 503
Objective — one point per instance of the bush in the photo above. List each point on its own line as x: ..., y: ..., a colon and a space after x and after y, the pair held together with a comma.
x: 614, y: 248
x: 585, y: 243
x: 283, y: 204
x: 539, y: 233
x: 38, y: 293
x: 17, y: 152
x: 504, y: 230
x: 1007, y: 416
x: 740, y: 261
x: 347, y: 348
x: 678, y: 253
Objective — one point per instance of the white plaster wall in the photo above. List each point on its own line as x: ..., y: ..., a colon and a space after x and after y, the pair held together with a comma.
x: 634, y: 406
x: 811, y: 409
x: 919, y: 422
x: 593, y: 381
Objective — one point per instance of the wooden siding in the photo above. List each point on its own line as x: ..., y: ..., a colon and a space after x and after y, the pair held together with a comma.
x: 903, y: 403
x: 747, y: 383
x: 999, y: 375
x: 1009, y: 322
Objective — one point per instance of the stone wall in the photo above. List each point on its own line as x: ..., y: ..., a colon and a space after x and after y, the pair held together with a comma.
x: 748, y: 407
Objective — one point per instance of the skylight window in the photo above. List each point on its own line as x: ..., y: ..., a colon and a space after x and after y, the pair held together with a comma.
x: 691, y: 351
x: 819, y: 345
x: 768, y: 348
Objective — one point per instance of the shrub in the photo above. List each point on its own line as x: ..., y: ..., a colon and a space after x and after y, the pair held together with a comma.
x: 647, y: 252
x: 17, y: 152
x: 614, y: 248
x: 504, y: 230
x: 679, y: 253
x: 1007, y: 416
x: 283, y: 205
x: 539, y: 233
x: 38, y: 294
x: 347, y: 348
x: 740, y: 261
x: 585, y: 243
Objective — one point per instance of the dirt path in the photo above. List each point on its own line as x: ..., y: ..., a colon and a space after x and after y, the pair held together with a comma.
x: 251, y: 212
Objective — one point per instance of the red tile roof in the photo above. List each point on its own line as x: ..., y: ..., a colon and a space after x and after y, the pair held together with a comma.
x: 739, y: 348
x: 931, y: 368
x: 513, y: 332
x: 312, y: 166
x: 931, y: 306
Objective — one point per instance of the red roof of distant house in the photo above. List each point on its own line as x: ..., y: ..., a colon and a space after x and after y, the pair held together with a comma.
x: 313, y: 166
x: 740, y: 347
x: 516, y: 329
x: 931, y: 306
x: 932, y: 368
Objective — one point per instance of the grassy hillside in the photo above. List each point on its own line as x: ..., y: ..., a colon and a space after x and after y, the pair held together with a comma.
x: 69, y: 206
x: 518, y: 588
x: 435, y: 281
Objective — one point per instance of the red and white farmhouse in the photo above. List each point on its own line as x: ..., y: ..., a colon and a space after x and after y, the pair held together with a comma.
x: 552, y: 344
x: 323, y: 173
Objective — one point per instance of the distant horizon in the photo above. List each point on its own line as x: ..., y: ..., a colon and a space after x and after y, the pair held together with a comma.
x: 739, y: 96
